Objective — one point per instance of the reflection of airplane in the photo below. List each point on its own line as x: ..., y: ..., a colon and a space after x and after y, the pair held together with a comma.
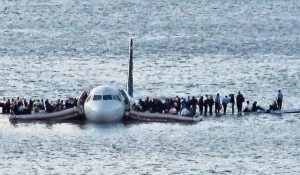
x: 108, y: 103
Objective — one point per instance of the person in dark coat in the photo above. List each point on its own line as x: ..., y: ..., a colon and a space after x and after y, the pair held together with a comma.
x: 205, y: 102
x: 201, y: 105
x: 8, y: 107
x: 141, y: 104
x: 25, y: 103
x: 146, y: 104
x: 210, y: 104
x: 274, y: 106
x: 3, y: 105
x: 188, y: 102
x: 279, y: 100
x: 232, y: 101
x: 194, y: 103
x: 178, y: 108
x: 239, y: 102
x: 49, y: 107
x: 255, y: 107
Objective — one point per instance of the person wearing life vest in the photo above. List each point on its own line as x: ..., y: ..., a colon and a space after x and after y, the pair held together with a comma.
x: 279, y: 100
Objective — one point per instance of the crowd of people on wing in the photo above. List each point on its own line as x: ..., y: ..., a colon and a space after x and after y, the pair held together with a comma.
x: 176, y: 106
x: 188, y: 106
x: 22, y: 106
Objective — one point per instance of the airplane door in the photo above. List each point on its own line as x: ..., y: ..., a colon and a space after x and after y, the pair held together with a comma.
x: 81, y: 100
x: 126, y: 100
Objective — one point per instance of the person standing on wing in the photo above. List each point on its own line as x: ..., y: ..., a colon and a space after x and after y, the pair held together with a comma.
x: 239, y: 101
x: 279, y: 100
x: 210, y: 104
x: 232, y: 102
x: 217, y: 104
x: 205, y: 102
x: 225, y: 101
x: 201, y: 105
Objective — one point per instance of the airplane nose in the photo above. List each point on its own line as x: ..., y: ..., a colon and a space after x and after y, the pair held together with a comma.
x: 104, y: 112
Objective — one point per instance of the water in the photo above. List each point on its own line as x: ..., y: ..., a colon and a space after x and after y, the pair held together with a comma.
x: 56, y: 49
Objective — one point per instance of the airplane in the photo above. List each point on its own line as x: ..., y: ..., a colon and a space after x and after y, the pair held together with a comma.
x: 108, y: 103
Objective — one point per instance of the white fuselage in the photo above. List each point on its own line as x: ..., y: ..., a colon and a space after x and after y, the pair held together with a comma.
x: 105, y: 104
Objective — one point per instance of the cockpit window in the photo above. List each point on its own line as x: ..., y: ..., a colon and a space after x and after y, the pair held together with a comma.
x: 107, y: 97
x: 98, y: 97
x: 118, y: 98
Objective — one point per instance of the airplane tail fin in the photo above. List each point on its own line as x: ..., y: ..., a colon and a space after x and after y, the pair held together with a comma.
x: 130, y: 67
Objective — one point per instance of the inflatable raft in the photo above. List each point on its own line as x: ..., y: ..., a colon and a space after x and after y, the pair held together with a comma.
x: 71, y: 113
x: 157, y: 117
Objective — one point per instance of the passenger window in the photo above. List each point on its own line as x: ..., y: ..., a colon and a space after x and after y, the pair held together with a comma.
x: 97, y: 97
x: 107, y: 97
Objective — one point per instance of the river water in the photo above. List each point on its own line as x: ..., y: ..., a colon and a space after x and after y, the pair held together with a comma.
x: 56, y: 49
